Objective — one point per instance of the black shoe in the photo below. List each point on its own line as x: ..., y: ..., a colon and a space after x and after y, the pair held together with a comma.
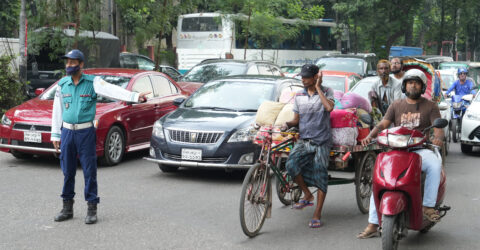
x: 67, y: 211
x: 91, y: 217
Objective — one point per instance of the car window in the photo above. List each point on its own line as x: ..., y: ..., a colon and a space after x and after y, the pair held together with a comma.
x: 253, y: 70
x: 161, y: 86
x: 352, y: 80
x: 275, y: 71
x: 334, y: 82
x: 143, y: 85
x: 171, y: 72
x: 145, y: 64
x: 342, y: 64
x: 364, y: 86
x: 206, y: 72
x: 128, y: 61
x: 231, y: 95
x: 264, y: 70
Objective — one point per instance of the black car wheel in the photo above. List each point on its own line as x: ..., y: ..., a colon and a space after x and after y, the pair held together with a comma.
x: 114, y: 147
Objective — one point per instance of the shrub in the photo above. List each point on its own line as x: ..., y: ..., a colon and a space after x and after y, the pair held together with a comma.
x: 11, y: 91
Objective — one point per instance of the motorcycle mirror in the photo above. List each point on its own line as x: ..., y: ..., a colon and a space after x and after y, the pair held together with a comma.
x: 440, y: 123
x: 366, y: 118
x: 468, y: 97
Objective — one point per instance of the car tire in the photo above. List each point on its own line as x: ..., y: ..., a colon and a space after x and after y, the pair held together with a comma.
x: 114, y: 147
x: 20, y: 155
x: 466, y: 148
x: 167, y: 168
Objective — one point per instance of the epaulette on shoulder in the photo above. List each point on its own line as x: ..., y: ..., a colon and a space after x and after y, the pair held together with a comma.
x: 63, y: 80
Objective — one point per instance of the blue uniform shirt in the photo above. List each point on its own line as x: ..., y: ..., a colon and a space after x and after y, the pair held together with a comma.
x: 78, y: 101
x: 462, y: 89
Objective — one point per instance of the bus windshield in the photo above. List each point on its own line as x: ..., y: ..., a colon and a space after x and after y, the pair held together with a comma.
x: 201, y: 24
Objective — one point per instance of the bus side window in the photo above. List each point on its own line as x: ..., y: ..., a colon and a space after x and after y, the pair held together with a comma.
x: 264, y: 70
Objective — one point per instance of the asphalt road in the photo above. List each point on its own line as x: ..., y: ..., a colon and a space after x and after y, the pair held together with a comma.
x: 143, y: 208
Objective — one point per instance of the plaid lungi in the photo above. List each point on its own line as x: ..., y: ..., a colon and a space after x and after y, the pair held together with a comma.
x: 311, y: 161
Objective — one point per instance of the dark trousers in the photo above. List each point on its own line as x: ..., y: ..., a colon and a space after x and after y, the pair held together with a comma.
x: 79, y: 144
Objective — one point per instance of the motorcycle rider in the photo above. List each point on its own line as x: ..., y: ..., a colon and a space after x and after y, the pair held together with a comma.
x: 463, y: 86
x: 415, y: 112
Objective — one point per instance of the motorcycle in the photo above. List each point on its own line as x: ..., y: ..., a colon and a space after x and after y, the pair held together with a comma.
x: 459, y: 106
x: 398, y: 183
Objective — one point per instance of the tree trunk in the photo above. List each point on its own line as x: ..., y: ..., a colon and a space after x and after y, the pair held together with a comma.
x: 22, y: 38
x: 442, y: 26
x: 246, y: 35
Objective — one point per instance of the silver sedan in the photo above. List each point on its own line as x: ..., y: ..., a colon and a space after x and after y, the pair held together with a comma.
x: 471, y: 126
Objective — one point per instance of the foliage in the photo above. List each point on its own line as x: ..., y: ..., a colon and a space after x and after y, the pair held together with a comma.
x: 11, y: 94
x: 9, y: 12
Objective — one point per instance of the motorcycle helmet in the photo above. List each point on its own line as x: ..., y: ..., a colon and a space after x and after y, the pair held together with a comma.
x: 414, y: 74
x: 462, y: 70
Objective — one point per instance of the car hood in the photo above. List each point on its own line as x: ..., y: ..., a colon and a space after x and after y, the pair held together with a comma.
x: 39, y: 111
x: 474, y: 106
x: 210, y: 120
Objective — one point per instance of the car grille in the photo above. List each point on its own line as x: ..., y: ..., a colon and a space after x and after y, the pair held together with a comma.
x: 33, y: 144
x: 194, y: 136
x: 205, y: 159
x: 475, y: 133
x: 21, y: 126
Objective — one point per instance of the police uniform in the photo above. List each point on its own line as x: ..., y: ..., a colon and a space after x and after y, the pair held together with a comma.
x: 74, y: 110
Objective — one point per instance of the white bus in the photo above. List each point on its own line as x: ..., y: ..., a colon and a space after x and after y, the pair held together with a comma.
x: 202, y: 36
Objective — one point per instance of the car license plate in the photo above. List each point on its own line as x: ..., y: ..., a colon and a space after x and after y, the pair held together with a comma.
x: 191, y: 154
x: 32, y: 137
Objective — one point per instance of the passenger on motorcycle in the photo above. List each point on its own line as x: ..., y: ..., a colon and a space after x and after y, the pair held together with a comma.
x: 462, y: 86
x: 414, y: 112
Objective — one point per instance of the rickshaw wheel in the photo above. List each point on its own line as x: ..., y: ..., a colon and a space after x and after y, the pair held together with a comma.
x: 255, y: 200
x: 363, y: 181
x: 282, y: 194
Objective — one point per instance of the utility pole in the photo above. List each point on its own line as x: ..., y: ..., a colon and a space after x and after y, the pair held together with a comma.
x: 22, y: 42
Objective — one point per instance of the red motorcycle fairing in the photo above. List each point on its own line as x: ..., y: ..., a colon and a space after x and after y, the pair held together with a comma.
x: 400, y: 171
x: 393, y: 203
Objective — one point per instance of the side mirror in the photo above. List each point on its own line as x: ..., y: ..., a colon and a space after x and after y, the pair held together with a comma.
x: 443, y: 106
x: 440, y: 123
x: 39, y: 91
x: 177, y: 102
x: 366, y: 118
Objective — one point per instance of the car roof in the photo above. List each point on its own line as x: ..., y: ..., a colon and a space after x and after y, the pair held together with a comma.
x: 263, y: 78
x: 221, y: 60
x: 359, y: 55
x: 338, y: 73
x: 114, y: 71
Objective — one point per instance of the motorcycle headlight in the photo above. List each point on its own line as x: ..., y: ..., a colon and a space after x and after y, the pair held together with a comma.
x: 398, y: 141
x: 456, y: 105
x: 472, y: 115
x: 243, y: 135
x: 6, y: 121
x: 158, y: 130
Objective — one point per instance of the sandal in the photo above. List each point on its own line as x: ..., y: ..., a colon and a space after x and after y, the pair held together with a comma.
x: 315, y: 224
x: 368, y: 234
x: 302, y: 204
x: 431, y: 214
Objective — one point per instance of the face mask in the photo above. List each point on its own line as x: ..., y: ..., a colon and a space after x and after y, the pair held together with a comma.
x: 72, y: 70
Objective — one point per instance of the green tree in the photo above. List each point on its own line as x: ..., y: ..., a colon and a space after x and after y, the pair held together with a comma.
x: 11, y: 94
x: 9, y: 12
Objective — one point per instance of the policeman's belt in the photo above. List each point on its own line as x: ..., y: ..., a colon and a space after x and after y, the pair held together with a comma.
x: 77, y: 126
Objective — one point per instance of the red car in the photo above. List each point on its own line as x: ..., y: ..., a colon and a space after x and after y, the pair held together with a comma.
x: 121, y: 126
x: 339, y: 80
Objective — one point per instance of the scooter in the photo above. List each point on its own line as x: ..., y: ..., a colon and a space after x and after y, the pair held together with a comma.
x: 459, y: 106
x: 398, y: 183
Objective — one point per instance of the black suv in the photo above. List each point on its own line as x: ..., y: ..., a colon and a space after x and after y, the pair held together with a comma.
x: 364, y: 64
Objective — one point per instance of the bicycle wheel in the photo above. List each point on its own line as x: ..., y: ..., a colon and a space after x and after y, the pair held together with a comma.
x: 363, y: 181
x: 284, y: 196
x: 254, y: 202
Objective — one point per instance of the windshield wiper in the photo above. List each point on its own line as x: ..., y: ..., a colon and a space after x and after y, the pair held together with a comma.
x: 216, y: 108
x: 247, y: 110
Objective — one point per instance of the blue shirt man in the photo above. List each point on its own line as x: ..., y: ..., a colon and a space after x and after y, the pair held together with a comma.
x: 73, y: 132
x: 462, y: 86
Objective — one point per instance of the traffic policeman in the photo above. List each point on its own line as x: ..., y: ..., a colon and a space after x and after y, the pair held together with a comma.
x: 73, y: 131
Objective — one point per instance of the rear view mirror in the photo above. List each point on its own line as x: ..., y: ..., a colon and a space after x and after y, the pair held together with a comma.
x: 468, y: 97
x: 371, y: 73
x: 440, y: 123
x: 178, y: 101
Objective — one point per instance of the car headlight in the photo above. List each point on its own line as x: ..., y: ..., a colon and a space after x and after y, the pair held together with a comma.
x: 158, y: 130
x: 457, y: 105
x: 472, y: 115
x: 6, y: 121
x: 243, y: 135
